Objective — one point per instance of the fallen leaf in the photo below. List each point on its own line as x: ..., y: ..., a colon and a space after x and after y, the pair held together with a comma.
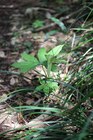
x: 2, y: 54
x: 13, y: 81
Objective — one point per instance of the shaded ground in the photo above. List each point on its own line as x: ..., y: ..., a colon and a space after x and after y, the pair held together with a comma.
x: 17, y: 35
x: 14, y: 34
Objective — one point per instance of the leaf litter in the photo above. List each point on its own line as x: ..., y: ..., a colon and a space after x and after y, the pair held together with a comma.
x: 15, y: 44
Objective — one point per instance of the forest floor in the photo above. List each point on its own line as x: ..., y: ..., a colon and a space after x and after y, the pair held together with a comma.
x: 27, y: 27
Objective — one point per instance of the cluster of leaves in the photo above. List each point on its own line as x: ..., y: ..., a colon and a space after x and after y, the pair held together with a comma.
x: 38, y: 23
x: 49, y: 62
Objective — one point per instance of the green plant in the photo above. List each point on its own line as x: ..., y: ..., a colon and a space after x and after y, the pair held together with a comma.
x: 27, y: 44
x: 37, y: 23
x: 49, y: 62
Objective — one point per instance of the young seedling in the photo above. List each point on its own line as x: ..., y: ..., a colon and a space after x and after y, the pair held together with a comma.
x: 49, y: 62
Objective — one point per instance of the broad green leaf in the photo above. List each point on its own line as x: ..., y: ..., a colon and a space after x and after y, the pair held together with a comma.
x: 29, y: 57
x: 49, y: 57
x: 41, y: 55
x: 55, y: 51
x: 29, y: 62
x: 25, y: 66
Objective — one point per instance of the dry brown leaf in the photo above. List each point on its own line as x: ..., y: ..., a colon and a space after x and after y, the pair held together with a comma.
x: 8, y: 119
x: 29, y: 101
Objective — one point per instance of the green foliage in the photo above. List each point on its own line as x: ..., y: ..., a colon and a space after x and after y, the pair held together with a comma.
x: 48, y: 61
x: 59, y: 23
x: 38, y: 23
x: 71, y: 117
x: 28, y: 62
x: 27, y: 44
x: 74, y: 114
x: 16, y: 34
x: 42, y: 55
x: 47, y: 86
x: 55, y: 51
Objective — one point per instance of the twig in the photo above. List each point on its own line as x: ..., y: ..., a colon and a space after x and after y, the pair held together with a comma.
x: 7, y: 6
x: 43, y: 9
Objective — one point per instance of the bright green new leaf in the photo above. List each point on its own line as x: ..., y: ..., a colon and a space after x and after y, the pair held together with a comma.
x: 46, y: 89
x: 47, y: 86
x: 41, y: 55
x: 53, y: 85
x: 38, y: 23
x: 55, y: 51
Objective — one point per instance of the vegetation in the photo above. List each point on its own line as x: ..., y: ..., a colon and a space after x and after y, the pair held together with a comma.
x: 55, y: 97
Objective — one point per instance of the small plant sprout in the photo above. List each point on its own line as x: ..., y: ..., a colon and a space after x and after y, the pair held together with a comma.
x: 49, y: 62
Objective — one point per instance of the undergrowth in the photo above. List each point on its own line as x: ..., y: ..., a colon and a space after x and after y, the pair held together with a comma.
x: 73, y: 116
